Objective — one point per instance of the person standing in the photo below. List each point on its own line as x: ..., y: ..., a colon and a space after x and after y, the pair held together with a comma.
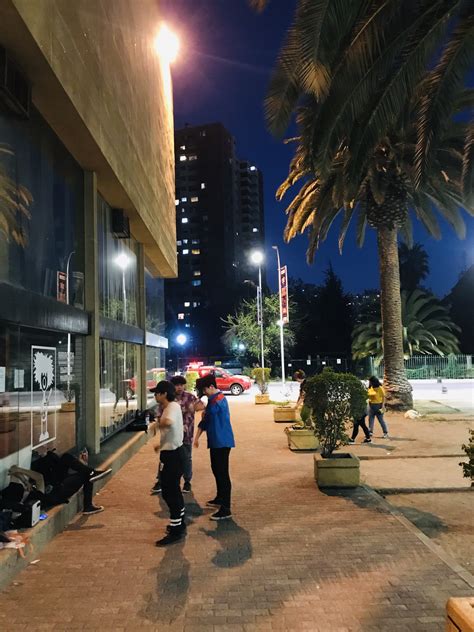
x: 172, y: 457
x: 220, y: 439
x: 190, y: 404
x: 376, y: 401
x: 360, y: 423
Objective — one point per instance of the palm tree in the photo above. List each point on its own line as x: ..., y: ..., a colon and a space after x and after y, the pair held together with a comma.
x: 427, y: 330
x: 377, y: 133
x: 414, y: 266
x: 14, y: 202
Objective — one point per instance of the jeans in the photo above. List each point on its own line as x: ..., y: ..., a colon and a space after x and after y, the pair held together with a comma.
x: 360, y: 423
x: 375, y: 410
x: 188, y: 462
x: 220, y: 469
x: 172, y: 462
x: 65, y: 483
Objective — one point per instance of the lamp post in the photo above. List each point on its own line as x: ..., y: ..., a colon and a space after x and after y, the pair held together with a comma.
x: 68, y: 354
x: 257, y: 258
x: 281, y: 323
x: 181, y: 339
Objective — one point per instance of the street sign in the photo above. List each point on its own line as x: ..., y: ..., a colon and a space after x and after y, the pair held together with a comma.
x: 285, y: 312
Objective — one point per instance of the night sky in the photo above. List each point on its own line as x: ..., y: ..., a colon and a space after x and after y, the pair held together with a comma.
x: 221, y: 76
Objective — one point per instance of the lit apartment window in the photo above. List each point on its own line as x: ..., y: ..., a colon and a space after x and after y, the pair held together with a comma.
x: 195, y: 242
x: 253, y: 168
x: 187, y: 325
x: 196, y: 251
x: 176, y: 202
x: 194, y: 157
x: 185, y: 199
x: 195, y: 199
x: 178, y: 243
x: 195, y: 304
x: 183, y: 158
x: 254, y: 230
x: 187, y: 304
x: 203, y: 185
x: 203, y: 133
x: 185, y: 241
x: 183, y: 147
x: 197, y: 273
x: 184, y: 220
x: 181, y: 316
x: 195, y: 283
x: 185, y: 251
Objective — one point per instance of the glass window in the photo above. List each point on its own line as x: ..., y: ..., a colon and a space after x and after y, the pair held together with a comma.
x: 184, y: 220
x: 118, y: 385
x: 117, y: 271
x: 180, y: 316
x: 155, y: 304
x: 41, y: 395
x: 41, y: 210
x: 155, y: 370
x: 195, y: 199
x: 195, y: 283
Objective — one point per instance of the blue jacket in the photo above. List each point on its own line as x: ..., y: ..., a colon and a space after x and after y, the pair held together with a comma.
x: 216, y: 423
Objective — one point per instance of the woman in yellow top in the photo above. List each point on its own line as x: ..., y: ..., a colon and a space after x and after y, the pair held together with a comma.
x: 376, y: 401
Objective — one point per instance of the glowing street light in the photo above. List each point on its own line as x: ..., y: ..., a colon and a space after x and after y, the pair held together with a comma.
x: 167, y: 44
x: 257, y: 257
x: 181, y: 339
x: 122, y: 260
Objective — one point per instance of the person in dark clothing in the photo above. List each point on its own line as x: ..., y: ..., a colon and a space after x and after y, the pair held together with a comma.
x: 360, y: 423
x: 64, y: 476
x: 300, y: 376
x: 220, y: 439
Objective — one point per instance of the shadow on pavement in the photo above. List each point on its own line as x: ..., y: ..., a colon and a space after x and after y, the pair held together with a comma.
x: 193, y: 508
x: 168, y: 600
x: 235, y: 542
x: 429, y: 523
x: 81, y: 525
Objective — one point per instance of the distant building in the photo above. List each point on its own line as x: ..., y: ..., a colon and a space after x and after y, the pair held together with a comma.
x: 366, y: 306
x: 219, y: 219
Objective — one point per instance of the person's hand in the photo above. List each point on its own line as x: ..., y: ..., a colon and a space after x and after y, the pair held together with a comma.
x: 156, y: 448
x: 196, y: 443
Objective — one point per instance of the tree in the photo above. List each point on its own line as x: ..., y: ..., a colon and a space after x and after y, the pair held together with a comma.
x: 414, y: 266
x: 427, y: 330
x: 461, y: 304
x: 333, y: 316
x: 243, y: 328
x: 379, y: 131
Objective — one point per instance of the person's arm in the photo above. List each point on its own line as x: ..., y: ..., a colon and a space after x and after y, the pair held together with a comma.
x: 199, y: 405
x: 199, y: 432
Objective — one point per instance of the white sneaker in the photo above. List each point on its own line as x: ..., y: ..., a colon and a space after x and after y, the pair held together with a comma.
x: 386, y: 436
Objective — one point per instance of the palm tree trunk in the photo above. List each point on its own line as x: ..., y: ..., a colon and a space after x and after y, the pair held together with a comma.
x: 397, y: 388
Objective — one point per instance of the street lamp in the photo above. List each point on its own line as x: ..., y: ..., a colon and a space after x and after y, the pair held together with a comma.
x: 167, y: 44
x: 68, y: 354
x: 181, y: 339
x: 280, y: 322
x: 257, y: 257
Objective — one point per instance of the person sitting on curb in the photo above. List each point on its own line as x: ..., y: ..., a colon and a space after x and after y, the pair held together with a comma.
x: 172, y: 458
x: 220, y: 439
x: 64, y: 476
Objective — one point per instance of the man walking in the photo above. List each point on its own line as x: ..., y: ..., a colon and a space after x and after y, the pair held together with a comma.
x: 190, y: 404
x: 220, y: 440
x: 172, y: 459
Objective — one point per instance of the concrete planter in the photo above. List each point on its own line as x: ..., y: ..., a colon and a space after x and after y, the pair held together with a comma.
x: 262, y: 399
x: 460, y: 614
x: 284, y: 414
x: 303, y: 439
x: 339, y: 470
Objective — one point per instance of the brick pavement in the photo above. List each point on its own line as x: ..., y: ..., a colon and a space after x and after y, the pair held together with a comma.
x: 294, y: 558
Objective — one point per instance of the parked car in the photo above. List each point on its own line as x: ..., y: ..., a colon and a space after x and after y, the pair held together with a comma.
x: 153, y: 376
x: 236, y: 384
x: 234, y: 367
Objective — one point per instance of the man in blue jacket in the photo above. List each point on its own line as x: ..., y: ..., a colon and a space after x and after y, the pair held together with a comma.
x: 220, y: 439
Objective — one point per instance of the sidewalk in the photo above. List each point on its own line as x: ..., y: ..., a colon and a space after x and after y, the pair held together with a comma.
x: 294, y: 558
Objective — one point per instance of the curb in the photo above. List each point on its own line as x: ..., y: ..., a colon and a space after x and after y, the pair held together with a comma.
x: 60, y: 516
x: 410, y: 456
x: 460, y: 571
x: 390, y: 491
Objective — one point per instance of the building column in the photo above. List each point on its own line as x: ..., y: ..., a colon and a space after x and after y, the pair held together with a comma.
x: 141, y: 316
x: 91, y: 305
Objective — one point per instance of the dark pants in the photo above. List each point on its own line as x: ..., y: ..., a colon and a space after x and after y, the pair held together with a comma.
x: 70, y: 475
x: 172, y: 465
x: 360, y: 423
x: 187, y: 465
x: 220, y: 469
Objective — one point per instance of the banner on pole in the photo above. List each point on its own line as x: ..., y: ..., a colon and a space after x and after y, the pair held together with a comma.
x: 284, y: 294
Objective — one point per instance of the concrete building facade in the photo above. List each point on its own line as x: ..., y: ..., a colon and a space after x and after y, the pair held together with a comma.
x: 87, y: 220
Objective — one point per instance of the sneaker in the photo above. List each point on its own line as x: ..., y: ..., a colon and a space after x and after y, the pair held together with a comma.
x: 92, y: 510
x: 386, y: 435
x: 183, y: 527
x: 171, y: 537
x: 222, y: 514
x: 213, y: 503
x: 98, y: 474
x: 367, y: 440
x: 156, y: 489
x: 371, y: 433
x: 187, y: 487
x: 351, y: 441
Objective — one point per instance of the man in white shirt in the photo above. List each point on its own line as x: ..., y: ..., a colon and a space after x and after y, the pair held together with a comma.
x: 172, y: 458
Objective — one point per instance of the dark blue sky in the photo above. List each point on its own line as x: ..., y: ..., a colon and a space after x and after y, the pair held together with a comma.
x: 221, y: 75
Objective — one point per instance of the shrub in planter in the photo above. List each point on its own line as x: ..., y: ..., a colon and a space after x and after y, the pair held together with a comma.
x: 334, y: 399
x: 261, y: 377
x: 191, y: 377
x: 468, y: 468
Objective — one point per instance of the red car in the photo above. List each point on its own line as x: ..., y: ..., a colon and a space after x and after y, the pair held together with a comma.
x: 152, y: 377
x: 236, y: 384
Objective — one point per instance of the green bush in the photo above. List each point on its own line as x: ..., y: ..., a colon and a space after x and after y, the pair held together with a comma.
x: 468, y: 468
x: 191, y: 377
x: 334, y: 400
x: 261, y: 377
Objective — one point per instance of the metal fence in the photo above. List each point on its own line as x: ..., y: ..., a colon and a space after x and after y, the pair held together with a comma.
x: 430, y: 366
